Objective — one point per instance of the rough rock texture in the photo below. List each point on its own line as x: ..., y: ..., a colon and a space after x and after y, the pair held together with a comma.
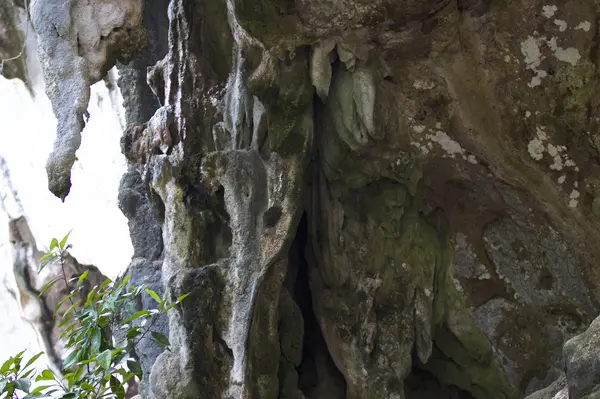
x: 582, y: 363
x: 78, y: 42
x: 364, y: 198
x: 12, y: 61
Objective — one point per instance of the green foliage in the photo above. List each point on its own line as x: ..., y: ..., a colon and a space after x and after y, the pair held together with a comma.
x: 100, y: 362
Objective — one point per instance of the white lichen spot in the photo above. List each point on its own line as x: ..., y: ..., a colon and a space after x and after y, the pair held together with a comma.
x: 438, y: 125
x: 472, y: 159
x: 536, y: 146
x: 446, y: 142
x: 552, y: 150
x: 421, y: 147
x: 531, y: 50
x: 573, y: 203
x: 457, y: 285
x: 484, y: 276
x: 574, y: 194
x: 527, y: 114
x: 423, y: 84
x: 549, y: 10
x: 576, y: 184
x: 557, y: 164
x: 562, y: 179
x: 570, y: 163
x: 507, y: 58
x: 584, y: 26
x: 562, y: 25
x: 537, y: 79
x: 419, y: 129
x: 570, y: 55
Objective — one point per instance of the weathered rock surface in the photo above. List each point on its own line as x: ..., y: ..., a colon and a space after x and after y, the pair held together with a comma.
x: 364, y: 199
x: 582, y: 363
x: 12, y: 36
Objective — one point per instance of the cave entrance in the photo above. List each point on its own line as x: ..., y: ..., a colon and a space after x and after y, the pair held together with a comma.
x: 317, y: 375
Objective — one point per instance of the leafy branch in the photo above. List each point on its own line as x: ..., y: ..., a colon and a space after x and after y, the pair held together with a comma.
x: 100, y: 363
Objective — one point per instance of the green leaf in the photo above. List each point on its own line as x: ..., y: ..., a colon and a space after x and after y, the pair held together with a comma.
x: 116, y: 387
x: 37, y: 390
x: 53, y: 244
x: 103, y: 359
x: 160, y: 339
x: 46, y: 256
x: 45, y: 262
x: 171, y: 306
x: 6, y: 365
x: 3, y: 383
x: 182, y: 297
x: 23, y: 384
x: 27, y: 374
x: 59, y: 304
x: 104, y: 284
x: 136, y: 315
x: 154, y: 295
x: 64, y: 321
x: 33, y: 359
x: 133, y: 332
x: 82, y: 277
x: 50, y: 284
x: 69, y: 396
x: 96, y: 339
x: 36, y: 396
x: 40, y: 388
x: 71, y: 359
x: 46, y: 375
x: 70, y: 308
x: 64, y: 240
x: 135, y: 368
x: 90, y: 296
x: 9, y: 389
x: 125, y: 281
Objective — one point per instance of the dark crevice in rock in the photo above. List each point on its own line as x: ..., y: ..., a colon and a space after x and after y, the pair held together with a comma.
x: 317, y: 375
x: 421, y: 384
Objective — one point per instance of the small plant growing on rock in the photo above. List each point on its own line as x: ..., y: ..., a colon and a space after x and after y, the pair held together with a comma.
x: 100, y: 331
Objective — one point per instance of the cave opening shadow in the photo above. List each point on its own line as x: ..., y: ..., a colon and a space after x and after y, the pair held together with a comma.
x: 318, y: 376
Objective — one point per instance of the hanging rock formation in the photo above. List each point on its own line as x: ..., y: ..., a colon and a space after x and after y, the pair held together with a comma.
x: 364, y: 198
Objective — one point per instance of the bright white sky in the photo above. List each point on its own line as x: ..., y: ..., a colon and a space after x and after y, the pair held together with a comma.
x: 27, y: 131
x: 100, y: 235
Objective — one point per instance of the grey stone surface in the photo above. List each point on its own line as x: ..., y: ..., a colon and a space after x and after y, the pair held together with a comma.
x: 582, y: 363
x: 444, y: 154
x: 78, y: 42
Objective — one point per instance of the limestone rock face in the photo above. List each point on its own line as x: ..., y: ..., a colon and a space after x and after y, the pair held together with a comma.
x: 363, y: 198
x: 12, y: 36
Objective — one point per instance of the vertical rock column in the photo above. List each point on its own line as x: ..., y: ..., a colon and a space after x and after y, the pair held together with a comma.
x: 225, y: 164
